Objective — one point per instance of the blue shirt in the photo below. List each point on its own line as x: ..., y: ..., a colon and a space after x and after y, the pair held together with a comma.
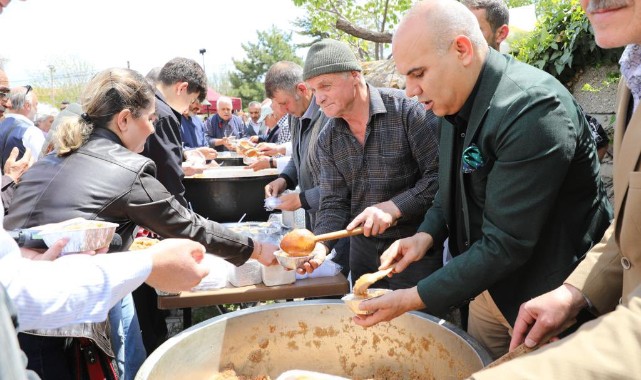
x: 192, y: 130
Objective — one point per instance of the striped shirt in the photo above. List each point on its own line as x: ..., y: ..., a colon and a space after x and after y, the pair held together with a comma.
x: 398, y: 161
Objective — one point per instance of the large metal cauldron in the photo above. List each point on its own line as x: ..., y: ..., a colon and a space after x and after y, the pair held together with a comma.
x: 316, y: 336
x: 225, y: 194
x: 230, y: 159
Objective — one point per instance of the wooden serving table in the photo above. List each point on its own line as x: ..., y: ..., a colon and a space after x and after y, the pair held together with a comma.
x: 309, y: 287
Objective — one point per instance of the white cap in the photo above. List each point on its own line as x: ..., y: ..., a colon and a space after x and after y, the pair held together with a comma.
x: 265, y: 110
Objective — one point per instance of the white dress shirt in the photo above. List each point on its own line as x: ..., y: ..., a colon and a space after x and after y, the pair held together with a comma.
x: 75, y: 288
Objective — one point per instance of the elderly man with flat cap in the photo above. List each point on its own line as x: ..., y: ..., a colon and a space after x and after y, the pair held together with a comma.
x: 379, y: 161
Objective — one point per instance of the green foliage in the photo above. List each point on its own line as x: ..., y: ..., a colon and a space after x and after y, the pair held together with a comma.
x: 587, y: 87
x: 374, y: 15
x: 563, y: 41
x: 518, y: 3
x: 612, y: 79
x: 270, y: 47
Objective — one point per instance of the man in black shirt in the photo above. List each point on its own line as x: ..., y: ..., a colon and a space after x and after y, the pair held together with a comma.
x: 180, y: 82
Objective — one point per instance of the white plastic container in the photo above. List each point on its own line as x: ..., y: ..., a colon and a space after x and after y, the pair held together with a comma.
x: 218, y: 273
x: 277, y: 275
x: 246, y: 274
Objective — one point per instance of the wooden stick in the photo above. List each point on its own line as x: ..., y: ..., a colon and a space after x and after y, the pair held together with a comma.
x: 522, y: 349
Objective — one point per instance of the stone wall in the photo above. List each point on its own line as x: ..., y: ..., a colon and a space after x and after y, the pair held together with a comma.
x: 596, y: 95
x: 383, y: 74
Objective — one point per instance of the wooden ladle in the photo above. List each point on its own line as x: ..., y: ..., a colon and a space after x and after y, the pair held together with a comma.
x: 364, y: 281
x: 301, y: 242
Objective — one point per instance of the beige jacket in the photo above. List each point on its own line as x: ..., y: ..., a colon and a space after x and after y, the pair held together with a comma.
x: 612, y: 269
x: 608, y: 347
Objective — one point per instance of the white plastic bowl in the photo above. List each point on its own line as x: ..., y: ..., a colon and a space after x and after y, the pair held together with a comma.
x: 291, y: 262
x: 353, y: 301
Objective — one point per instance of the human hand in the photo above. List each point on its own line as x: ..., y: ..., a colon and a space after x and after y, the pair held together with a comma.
x: 191, y: 170
x: 376, y: 219
x: 389, y: 306
x: 253, y: 139
x: 405, y: 251
x: 547, y: 315
x: 54, y: 251
x: 275, y: 187
x: 269, y: 149
x: 228, y: 143
x: 50, y: 254
x: 320, y: 253
x: 218, y: 142
x: 194, y: 163
x: 262, y: 163
x: 207, y: 152
x: 176, y: 265
x: 264, y: 253
x: 289, y: 202
x: 16, y: 168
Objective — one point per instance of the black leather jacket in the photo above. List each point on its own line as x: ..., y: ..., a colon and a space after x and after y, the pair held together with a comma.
x: 105, y: 181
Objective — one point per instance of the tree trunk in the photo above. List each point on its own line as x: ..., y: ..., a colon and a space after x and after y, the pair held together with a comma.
x: 356, y: 31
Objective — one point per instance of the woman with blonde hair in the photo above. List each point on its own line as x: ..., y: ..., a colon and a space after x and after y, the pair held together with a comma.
x: 98, y: 174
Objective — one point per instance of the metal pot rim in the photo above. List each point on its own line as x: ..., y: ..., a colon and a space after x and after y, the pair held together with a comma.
x: 481, y: 351
x: 230, y: 179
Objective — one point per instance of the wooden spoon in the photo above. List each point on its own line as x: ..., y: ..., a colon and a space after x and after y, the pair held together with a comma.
x: 522, y: 349
x: 364, y: 281
x: 301, y: 242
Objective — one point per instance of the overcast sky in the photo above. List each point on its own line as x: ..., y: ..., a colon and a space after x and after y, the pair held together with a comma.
x: 147, y: 33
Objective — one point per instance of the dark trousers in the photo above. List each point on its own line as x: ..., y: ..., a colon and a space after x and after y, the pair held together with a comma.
x: 151, y: 319
x: 365, y: 257
x: 46, y: 356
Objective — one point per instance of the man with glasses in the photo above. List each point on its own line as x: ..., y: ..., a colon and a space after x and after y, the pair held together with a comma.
x: 180, y: 82
x: 4, y: 92
x: 17, y: 129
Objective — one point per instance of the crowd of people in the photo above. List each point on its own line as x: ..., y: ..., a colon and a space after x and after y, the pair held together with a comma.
x: 478, y: 184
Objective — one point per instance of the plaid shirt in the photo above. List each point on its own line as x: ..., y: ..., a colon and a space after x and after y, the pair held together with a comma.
x: 284, y: 135
x: 397, y: 162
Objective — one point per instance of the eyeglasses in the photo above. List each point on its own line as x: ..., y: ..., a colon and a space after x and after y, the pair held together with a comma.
x: 29, y: 88
x: 4, y: 91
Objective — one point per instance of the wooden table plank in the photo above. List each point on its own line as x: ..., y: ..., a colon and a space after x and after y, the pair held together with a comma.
x: 310, y: 287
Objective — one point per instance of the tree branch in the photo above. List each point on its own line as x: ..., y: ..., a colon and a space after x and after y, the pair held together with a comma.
x: 362, y: 33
